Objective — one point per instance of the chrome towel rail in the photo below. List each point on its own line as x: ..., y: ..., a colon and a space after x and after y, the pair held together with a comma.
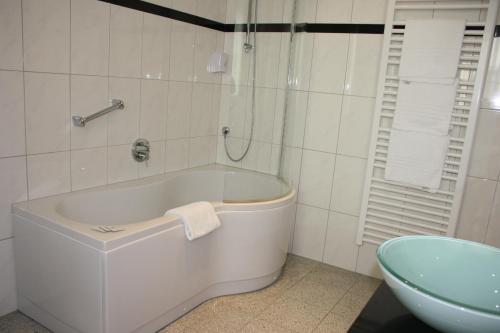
x: 80, y: 121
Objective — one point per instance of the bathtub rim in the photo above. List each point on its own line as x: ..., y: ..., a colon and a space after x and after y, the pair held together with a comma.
x: 43, y: 211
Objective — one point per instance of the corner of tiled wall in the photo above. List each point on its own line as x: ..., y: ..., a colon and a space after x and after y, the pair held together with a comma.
x: 328, y: 128
x: 60, y: 58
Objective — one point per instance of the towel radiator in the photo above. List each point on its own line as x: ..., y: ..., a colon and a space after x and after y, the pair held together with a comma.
x: 116, y: 104
x: 390, y: 209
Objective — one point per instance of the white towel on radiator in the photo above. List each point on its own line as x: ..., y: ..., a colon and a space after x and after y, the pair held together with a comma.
x: 424, y: 107
x: 199, y: 218
x: 431, y: 50
x: 416, y: 159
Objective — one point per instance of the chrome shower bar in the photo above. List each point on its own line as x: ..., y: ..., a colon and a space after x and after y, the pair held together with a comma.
x: 80, y: 121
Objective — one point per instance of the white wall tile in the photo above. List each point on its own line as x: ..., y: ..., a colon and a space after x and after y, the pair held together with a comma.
x: 182, y: 39
x: 279, y: 110
x: 306, y: 10
x: 46, y: 35
x: 329, y: 62
x: 156, y: 47
x: 232, y: 109
x: 290, y: 169
x: 356, y: 125
x: 283, y: 66
x: 88, y: 168
x: 202, y: 150
x: 236, y: 11
x: 89, y: 94
x: 213, y: 10
x: 11, y: 40
x: 309, y: 232
x: 367, y: 261
x: 156, y: 163
x: 485, y: 157
x: 348, y: 183
x: 205, y: 109
x: 187, y: 6
x: 176, y: 154
x: 8, y: 298
x: 268, y: 57
x: 238, y: 63
x: 235, y: 146
x: 270, y: 11
x: 153, y: 109
x: 125, y: 42
x: 89, y: 37
x: 296, y: 118
x: 341, y: 249
x: 121, y: 165
x: 316, y: 178
x: 338, y: 11
x: 48, y: 174
x: 275, y: 159
x: 14, y: 189
x: 323, y: 121
x: 179, y: 109
x: 362, y: 65
x: 369, y: 11
x: 493, y: 229
x: 123, y: 125
x: 476, y: 207
x: 302, y: 62
x: 12, y: 113
x: 205, y: 45
x: 47, y: 112
x: 259, y: 156
x: 264, y: 111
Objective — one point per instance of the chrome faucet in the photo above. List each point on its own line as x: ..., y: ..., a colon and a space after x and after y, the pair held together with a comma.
x: 141, y: 150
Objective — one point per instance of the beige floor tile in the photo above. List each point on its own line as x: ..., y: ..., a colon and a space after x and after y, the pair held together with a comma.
x: 16, y: 322
x: 334, y: 323
x: 366, y: 285
x: 175, y: 327
x: 294, y: 314
x: 217, y: 315
x: 321, y: 294
x: 351, y: 305
x: 330, y: 275
x: 261, y: 326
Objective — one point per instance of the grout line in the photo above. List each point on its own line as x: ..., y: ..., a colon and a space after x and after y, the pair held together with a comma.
x: 6, y: 238
x: 492, y: 209
x: 108, y: 93
x: 24, y: 104
x: 69, y: 106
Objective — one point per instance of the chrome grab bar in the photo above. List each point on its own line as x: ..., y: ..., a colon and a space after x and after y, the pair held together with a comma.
x: 80, y: 121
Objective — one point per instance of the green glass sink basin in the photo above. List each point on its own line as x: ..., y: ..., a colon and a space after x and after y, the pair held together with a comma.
x: 460, y: 272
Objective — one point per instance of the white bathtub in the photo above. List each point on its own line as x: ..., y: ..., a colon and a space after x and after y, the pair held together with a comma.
x: 74, y: 279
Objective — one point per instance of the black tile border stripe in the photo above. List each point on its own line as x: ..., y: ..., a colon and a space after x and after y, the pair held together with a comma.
x: 261, y: 27
x: 344, y: 28
x: 348, y: 28
x: 150, y: 8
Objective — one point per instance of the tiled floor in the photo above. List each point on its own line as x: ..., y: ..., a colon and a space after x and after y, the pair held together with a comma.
x: 308, y: 297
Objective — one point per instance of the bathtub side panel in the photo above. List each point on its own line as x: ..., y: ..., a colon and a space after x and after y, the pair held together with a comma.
x: 58, y: 279
x: 150, y: 278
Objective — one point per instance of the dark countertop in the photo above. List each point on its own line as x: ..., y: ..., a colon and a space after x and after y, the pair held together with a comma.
x: 385, y: 314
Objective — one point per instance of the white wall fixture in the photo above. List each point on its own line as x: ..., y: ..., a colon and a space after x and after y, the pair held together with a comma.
x: 217, y: 62
x: 390, y: 209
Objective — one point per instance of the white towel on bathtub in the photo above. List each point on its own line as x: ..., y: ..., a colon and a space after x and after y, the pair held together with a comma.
x: 199, y: 219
